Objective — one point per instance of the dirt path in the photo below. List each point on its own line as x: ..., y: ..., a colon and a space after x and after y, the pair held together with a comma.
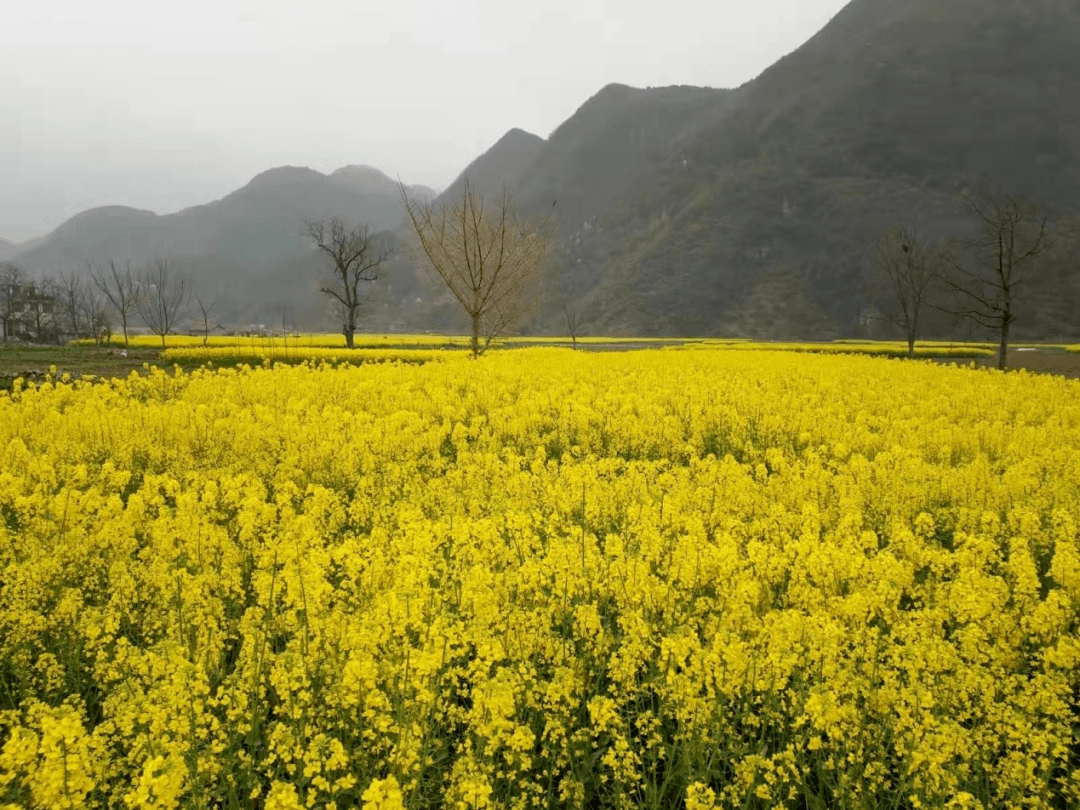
x: 1042, y: 361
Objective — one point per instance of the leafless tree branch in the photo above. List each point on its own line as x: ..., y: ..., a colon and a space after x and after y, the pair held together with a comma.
x: 355, y: 259
x: 1013, y: 235
x: 488, y: 256
x: 162, y: 298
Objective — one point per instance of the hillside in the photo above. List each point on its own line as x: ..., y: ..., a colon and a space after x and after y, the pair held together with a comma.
x: 889, y: 110
x: 381, y: 190
x: 501, y: 165
x: 245, y: 249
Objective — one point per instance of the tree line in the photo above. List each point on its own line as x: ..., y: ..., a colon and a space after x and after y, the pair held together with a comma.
x: 980, y: 280
x: 105, y: 299
x: 490, y: 258
x: 487, y: 255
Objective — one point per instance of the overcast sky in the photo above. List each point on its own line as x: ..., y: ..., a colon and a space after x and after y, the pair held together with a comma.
x: 162, y: 106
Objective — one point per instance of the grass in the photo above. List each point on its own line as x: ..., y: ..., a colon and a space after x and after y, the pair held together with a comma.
x: 86, y: 358
x: 31, y: 362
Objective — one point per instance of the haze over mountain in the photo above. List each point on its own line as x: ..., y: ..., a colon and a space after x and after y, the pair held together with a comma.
x: 687, y: 210
x: 502, y: 164
x: 245, y: 249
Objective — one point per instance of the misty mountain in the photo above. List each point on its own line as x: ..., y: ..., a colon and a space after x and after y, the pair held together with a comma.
x: 621, y: 134
x: 7, y: 248
x: 381, y: 189
x: 776, y: 188
x: 501, y: 165
x: 698, y: 211
x: 245, y: 249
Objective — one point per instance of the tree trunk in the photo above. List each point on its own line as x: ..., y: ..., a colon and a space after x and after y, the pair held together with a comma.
x: 911, y: 344
x: 1004, y: 347
x: 475, y: 336
x: 123, y: 321
x: 349, y: 332
x: 163, y: 341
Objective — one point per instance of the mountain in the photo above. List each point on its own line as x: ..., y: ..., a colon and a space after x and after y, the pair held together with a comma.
x: 373, y: 183
x: 595, y: 157
x: 7, y: 248
x: 501, y: 165
x: 702, y: 211
x: 246, y: 248
x: 889, y: 110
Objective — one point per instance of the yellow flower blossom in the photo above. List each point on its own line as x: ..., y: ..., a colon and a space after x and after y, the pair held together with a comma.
x: 724, y: 577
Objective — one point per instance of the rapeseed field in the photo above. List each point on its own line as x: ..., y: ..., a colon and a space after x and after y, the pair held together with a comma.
x: 661, y: 579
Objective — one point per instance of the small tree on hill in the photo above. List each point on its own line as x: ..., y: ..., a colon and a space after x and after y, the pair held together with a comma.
x: 1004, y: 260
x: 355, y: 258
x: 489, y: 257
x: 162, y: 298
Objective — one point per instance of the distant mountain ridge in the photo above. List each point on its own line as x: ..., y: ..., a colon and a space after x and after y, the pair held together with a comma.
x: 703, y: 211
x: 246, y: 248
x: 259, y: 222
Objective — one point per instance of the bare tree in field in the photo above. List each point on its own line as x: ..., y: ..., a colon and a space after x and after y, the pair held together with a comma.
x: 205, y: 308
x: 70, y: 289
x: 909, y: 264
x: 162, y: 300
x: 573, y: 323
x: 120, y: 288
x: 1004, y: 255
x: 94, y: 310
x: 355, y: 258
x: 40, y: 316
x: 11, y: 279
x: 489, y: 257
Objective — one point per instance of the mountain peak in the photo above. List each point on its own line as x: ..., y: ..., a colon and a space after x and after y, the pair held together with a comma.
x: 519, y: 135
x: 499, y: 167
x: 284, y: 174
x: 360, y: 170
x: 108, y: 214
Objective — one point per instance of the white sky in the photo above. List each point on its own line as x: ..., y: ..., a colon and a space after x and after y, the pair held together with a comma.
x: 162, y: 106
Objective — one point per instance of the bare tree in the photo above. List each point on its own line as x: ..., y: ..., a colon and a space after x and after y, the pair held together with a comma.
x: 94, y: 309
x: 120, y: 288
x: 355, y: 258
x: 573, y: 323
x: 909, y: 264
x: 40, y: 315
x: 162, y: 299
x: 11, y: 280
x: 69, y: 288
x: 205, y: 308
x: 489, y: 257
x: 1013, y: 237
